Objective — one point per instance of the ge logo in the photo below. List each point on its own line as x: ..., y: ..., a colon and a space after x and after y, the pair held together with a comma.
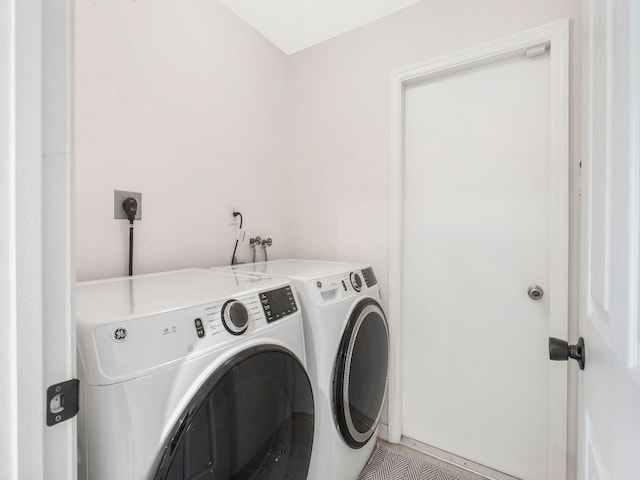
x: 120, y: 334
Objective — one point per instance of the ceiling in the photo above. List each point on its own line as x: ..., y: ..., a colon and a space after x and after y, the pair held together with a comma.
x: 293, y: 25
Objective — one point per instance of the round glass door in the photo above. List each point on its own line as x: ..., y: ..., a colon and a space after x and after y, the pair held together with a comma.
x: 252, y: 419
x: 360, y: 378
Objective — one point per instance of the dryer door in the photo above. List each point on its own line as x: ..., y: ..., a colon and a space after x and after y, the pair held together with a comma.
x: 360, y: 376
x: 252, y: 419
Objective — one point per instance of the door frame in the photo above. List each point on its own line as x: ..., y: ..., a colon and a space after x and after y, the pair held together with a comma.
x: 608, y: 422
x: 37, y: 276
x: 556, y: 37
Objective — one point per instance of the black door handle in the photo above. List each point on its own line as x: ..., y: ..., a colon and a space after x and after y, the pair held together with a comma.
x: 561, y: 350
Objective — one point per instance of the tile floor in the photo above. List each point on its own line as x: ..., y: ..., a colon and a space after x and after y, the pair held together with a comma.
x: 436, y: 462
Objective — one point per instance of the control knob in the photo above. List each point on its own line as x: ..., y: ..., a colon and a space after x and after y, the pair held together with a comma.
x: 235, y: 317
x: 356, y: 281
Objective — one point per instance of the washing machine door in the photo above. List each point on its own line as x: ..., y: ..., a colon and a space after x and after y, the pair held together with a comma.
x: 252, y: 419
x: 360, y: 374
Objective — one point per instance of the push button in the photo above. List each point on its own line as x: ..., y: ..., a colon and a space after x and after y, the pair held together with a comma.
x: 199, y: 327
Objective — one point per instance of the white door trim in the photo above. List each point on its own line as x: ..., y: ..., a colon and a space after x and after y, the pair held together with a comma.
x: 634, y: 179
x: 37, y: 338
x: 609, y: 389
x: 20, y: 266
x: 556, y: 37
x: 58, y: 245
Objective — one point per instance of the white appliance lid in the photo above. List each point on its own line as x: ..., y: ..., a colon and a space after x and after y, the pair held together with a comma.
x: 298, y: 269
x: 115, y: 299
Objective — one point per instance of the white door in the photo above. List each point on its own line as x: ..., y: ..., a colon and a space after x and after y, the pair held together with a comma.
x: 37, y: 338
x: 609, y: 411
x: 480, y: 230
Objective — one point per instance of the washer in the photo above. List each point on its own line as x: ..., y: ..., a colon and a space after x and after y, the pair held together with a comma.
x: 192, y: 374
x: 347, y: 342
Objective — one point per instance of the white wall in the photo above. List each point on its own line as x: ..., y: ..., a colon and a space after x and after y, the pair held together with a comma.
x: 339, y: 114
x: 339, y: 123
x: 183, y: 102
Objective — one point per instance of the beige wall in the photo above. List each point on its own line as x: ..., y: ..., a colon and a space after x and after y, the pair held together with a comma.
x: 183, y: 102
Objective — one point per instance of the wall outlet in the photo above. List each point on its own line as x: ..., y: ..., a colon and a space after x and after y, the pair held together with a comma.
x: 119, y: 197
x: 235, y: 220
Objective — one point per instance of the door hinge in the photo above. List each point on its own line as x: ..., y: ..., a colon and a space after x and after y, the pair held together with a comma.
x: 63, y: 401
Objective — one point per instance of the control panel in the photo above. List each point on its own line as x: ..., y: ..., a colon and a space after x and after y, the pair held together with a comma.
x: 369, y: 277
x: 336, y: 287
x: 132, y: 346
x: 278, y: 303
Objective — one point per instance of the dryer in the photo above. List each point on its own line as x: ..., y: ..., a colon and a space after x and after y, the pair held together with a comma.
x: 347, y: 343
x: 192, y: 374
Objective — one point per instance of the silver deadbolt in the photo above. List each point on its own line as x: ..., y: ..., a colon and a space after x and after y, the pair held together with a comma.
x: 535, y: 292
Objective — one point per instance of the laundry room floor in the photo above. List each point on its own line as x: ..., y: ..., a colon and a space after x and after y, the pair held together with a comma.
x: 399, y: 462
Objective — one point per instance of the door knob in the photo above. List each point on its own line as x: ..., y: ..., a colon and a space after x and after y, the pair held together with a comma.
x: 535, y: 292
x: 561, y: 350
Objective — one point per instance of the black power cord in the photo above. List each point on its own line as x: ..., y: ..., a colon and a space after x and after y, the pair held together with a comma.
x: 233, y: 255
x: 130, y: 247
x: 130, y: 207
